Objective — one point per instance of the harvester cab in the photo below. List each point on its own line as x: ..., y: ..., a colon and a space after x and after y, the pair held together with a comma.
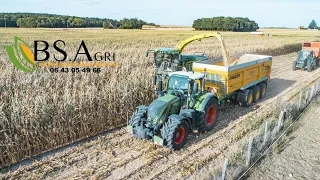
x: 185, y: 106
x: 305, y: 60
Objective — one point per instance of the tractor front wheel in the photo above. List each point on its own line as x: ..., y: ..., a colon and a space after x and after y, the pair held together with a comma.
x: 136, y: 118
x: 294, y: 65
x: 309, y: 67
x: 175, y: 133
x: 209, y: 116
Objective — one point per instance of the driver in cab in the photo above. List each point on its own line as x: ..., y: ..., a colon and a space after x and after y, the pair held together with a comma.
x: 183, y: 86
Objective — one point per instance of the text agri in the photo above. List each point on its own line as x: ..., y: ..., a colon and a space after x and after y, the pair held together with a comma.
x: 98, y: 56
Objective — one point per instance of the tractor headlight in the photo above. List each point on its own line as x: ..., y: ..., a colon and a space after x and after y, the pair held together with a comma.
x: 130, y: 129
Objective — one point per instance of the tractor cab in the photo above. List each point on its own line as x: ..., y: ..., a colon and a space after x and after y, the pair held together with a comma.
x: 170, y: 60
x: 186, y: 82
x: 165, y: 59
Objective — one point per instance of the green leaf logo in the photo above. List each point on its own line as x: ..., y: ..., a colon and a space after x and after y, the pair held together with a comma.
x: 21, y: 55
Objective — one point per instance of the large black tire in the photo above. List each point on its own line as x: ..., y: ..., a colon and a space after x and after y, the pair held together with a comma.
x: 135, y: 119
x: 175, y: 132
x: 263, y: 89
x: 309, y: 67
x: 249, y: 98
x: 256, y: 93
x: 209, y: 117
x: 294, y: 65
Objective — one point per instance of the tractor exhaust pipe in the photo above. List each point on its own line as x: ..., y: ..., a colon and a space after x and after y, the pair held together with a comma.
x: 155, y: 80
x: 160, y: 87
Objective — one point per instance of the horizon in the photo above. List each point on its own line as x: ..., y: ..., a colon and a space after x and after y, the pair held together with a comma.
x: 135, y: 17
x: 266, y: 14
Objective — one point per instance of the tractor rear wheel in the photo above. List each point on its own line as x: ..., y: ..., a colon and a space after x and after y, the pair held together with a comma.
x: 256, y: 93
x: 175, y: 133
x: 209, y: 116
x: 263, y: 89
x: 294, y: 65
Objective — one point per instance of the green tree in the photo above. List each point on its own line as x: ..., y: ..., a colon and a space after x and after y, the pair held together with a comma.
x: 225, y: 24
x: 133, y: 23
x: 313, y: 25
x: 107, y: 25
x: 77, y: 22
x: 33, y: 20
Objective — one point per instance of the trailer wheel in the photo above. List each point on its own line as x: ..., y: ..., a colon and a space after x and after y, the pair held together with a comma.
x: 209, y: 116
x: 263, y: 89
x: 294, y: 65
x: 256, y: 93
x: 249, y: 98
x: 175, y: 133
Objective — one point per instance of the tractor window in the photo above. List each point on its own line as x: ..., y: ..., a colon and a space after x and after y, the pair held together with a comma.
x: 158, y: 58
x: 155, y: 108
x: 166, y: 61
x: 178, y: 82
x: 303, y: 54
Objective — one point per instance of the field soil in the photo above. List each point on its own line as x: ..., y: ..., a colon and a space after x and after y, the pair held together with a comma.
x: 299, y: 157
x: 119, y: 155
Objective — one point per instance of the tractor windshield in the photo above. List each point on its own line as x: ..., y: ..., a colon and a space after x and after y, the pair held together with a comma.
x: 178, y: 82
x: 303, y: 55
x: 156, y: 108
x: 165, y: 61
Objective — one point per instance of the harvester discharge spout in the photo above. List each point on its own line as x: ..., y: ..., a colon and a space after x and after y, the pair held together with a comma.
x: 225, y: 54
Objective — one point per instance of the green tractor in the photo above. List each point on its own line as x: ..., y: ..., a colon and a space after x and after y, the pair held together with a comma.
x: 184, y: 107
x: 305, y: 60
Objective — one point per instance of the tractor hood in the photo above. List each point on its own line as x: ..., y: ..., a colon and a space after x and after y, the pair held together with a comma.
x: 157, y: 109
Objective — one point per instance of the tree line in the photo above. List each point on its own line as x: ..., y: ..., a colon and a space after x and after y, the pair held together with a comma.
x: 237, y: 24
x: 36, y: 20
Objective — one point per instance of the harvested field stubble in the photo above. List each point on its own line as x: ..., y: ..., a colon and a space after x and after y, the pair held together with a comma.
x: 40, y: 111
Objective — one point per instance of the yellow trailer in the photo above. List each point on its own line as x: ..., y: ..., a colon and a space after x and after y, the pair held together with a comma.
x: 244, y: 80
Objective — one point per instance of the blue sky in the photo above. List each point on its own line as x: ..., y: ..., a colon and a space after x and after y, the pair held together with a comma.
x: 276, y: 13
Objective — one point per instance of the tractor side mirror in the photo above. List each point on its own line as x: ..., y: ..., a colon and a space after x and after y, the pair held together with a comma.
x: 195, y: 88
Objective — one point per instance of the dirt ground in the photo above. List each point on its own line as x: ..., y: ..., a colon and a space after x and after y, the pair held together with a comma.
x: 300, y: 157
x: 119, y: 155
